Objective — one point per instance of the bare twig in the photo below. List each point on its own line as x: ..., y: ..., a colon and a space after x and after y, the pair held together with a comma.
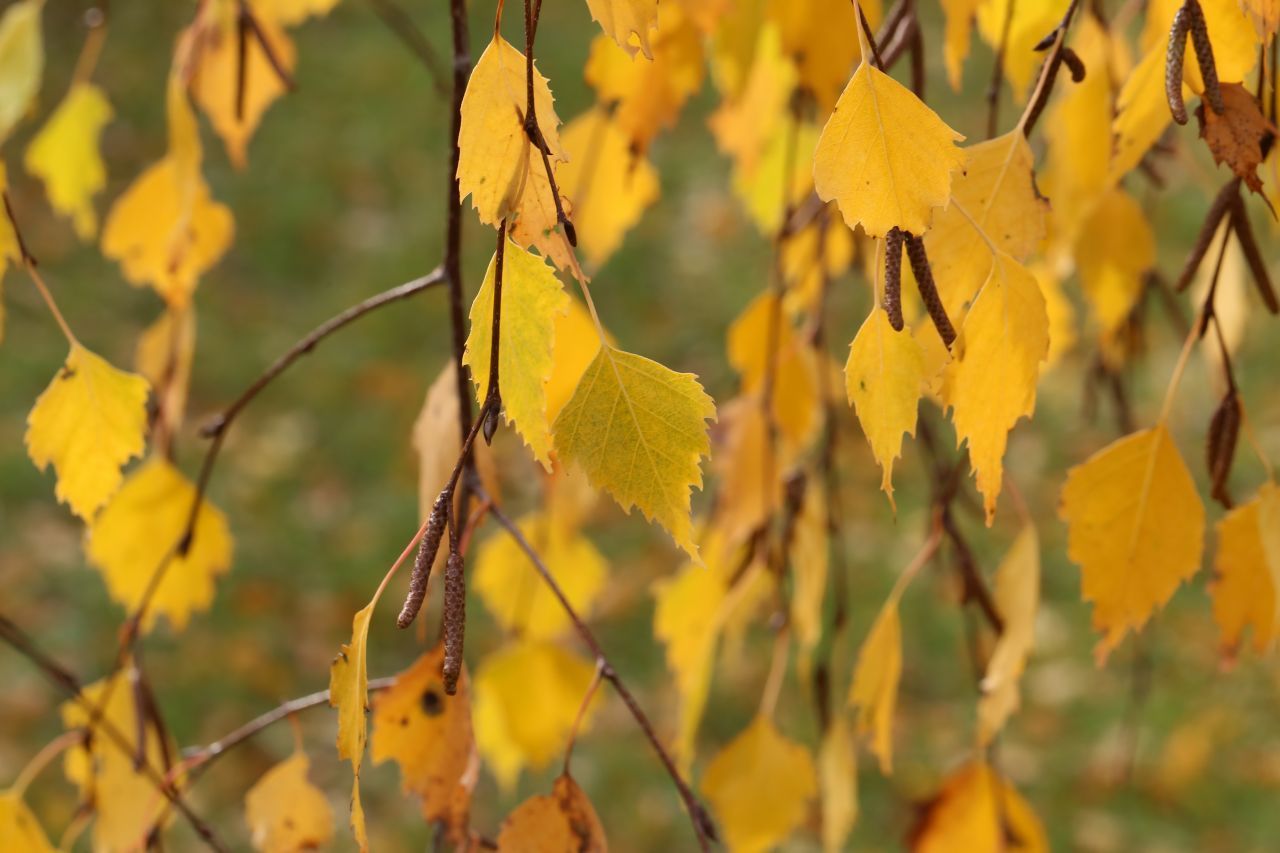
x: 402, y: 26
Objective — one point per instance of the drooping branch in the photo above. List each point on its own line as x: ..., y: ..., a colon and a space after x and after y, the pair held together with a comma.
x: 402, y: 26
x: 703, y: 826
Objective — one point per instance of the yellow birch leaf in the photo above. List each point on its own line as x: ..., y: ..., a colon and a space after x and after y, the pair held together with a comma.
x: 127, y: 805
x: 978, y: 811
x: 1017, y: 595
x: 1062, y: 313
x: 781, y: 177
x: 289, y: 13
x: 1247, y: 567
x: 749, y: 469
x: 957, y: 35
x: 622, y: 19
x: 1114, y: 251
x: 20, y: 832
x: 89, y: 422
x: 65, y: 155
x: 1265, y: 15
x: 527, y: 696
x: 428, y: 734
x: 163, y: 356
x: 998, y: 190
x: 795, y: 403
x: 759, y: 786
x: 576, y: 344
x: 496, y: 157
x: 810, y: 544
x: 515, y: 593
x: 532, y: 298
x: 1027, y: 23
x: 216, y: 74
x: 637, y: 429
x: 1078, y: 158
x: 884, y: 156
x: 744, y: 124
x: 138, y: 530
x: 686, y: 618
x: 884, y: 378
x: 609, y: 184
x: 286, y: 813
x: 21, y: 62
x: 1135, y: 526
x: 564, y: 821
x: 838, y: 782
x: 649, y: 95
x: 816, y: 36
x: 349, y: 693
x: 874, y: 690
x: 991, y: 381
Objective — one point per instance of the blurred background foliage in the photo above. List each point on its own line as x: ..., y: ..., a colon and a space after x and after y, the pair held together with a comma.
x: 1167, y: 748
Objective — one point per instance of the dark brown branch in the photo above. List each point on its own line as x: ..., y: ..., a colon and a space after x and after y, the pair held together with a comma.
x: 997, y: 71
x: 1212, y: 219
x: 702, y: 823
x: 64, y: 680
x: 1058, y: 37
x: 250, y: 22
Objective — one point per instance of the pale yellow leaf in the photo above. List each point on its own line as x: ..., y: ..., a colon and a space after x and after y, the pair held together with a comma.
x: 65, y: 155
x: 885, y: 157
x: 749, y: 469
x: 1028, y: 21
x: 991, y: 381
x: 956, y: 36
x: 291, y: 12
x: 576, y: 344
x: 286, y: 813
x: 163, y: 356
x: 21, y: 61
x: 838, y: 782
x: 639, y: 431
x: 516, y: 595
x: 1114, y: 251
x: 527, y: 696
x: 819, y: 37
x: 874, y: 690
x: 1135, y: 528
x: 89, y: 422
x: 1017, y: 596
x: 349, y: 693
x: 137, y: 533
x: 532, y: 298
x: 759, y: 786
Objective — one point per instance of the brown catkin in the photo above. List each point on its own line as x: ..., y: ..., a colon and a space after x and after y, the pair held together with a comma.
x: 455, y: 621
x: 1249, y: 247
x: 1173, y: 65
x: 1224, y: 431
x: 928, y: 290
x: 893, y: 277
x: 1204, y: 56
x: 1210, y: 227
x: 422, y: 563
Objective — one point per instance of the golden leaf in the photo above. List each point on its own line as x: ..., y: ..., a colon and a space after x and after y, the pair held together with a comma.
x: 89, y: 422
x: 65, y: 155
x: 349, y: 693
x: 428, y: 734
x: 20, y: 832
x: 21, y: 61
x: 1017, y: 596
x: 759, y: 786
x: 885, y: 157
x: 285, y: 812
x: 874, y: 690
x: 977, y: 811
x: 137, y: 533
x: 1247, y: 566
x: 563, y: 821
x: 624, y: 19
x: 838, y: 782
x: 1136, y: 529
x: 1114, y: 251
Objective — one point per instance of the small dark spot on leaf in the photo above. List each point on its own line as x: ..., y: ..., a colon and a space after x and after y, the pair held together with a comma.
x: 432, y: 703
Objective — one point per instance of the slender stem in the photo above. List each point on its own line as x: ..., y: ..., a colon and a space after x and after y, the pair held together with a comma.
x: 596, y: 678
x: 997, y: 71
x: 702, y: 823
x: 402, y: 26
x: 48, y: 300
x: 496, y: 334
x: 95, y: 19
x: 777, y: 673
x: 41, y: 760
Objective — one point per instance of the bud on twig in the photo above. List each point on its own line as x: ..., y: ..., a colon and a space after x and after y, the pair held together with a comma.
x: 455, y: 621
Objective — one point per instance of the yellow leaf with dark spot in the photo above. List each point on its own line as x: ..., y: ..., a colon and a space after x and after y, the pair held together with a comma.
x: 285, y: 812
